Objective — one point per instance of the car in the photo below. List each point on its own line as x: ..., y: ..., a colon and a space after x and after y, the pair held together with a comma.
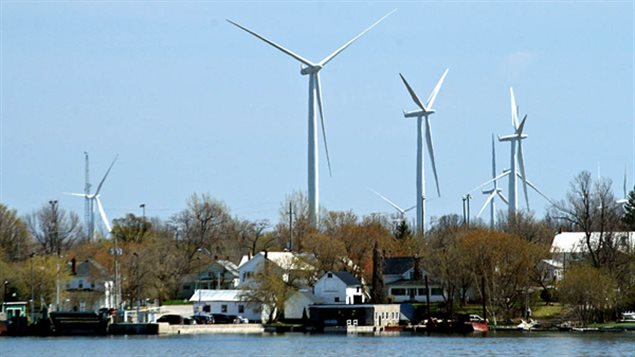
x: 171, y: 319
x: 224, y: 319
x: 241, y: 320
x: 203, y: 319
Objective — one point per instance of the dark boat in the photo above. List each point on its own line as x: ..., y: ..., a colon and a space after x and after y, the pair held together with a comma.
x: 79, y: 323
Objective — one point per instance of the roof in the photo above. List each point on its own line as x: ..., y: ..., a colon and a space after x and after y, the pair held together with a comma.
x: 228, y: 265
x: 285, y: 260
x: 216, y: 295
x: 398, y: 265
x: 309, y: 296
x: 574, y: 242
x: 553, y: 263
x: 91, y: 269
x: 347, y: 278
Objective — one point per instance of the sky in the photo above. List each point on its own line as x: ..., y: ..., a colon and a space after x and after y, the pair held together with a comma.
x: 192, y: 104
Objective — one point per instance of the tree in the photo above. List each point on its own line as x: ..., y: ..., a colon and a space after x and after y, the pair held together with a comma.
x: 628, y: 219
x: 589, y: 291
x: 14, y: 235
x: 130, y: 228
x: 54, y: 229
x: 378, y: 295
x: 525, y: 225
x: 294, y: 221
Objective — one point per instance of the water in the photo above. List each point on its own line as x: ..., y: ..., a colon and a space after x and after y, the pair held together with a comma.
x: 501, y: 344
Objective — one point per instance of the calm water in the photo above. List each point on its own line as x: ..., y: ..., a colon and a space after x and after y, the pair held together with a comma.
x: 501, y: 344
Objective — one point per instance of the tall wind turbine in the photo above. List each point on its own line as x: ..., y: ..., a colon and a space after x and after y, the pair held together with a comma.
x: 516, y: 160
x: 424, y: 111
x: 624, y: 200
x: 95, y: 201
x: 493, y: 192
x: 315, y: 98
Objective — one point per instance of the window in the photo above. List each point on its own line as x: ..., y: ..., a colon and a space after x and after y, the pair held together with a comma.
x: 81, y: 284
x: 398, y: 291
x: 207, y: 308
x: 337, y: 299
x: 436, y: 291
x: 358, y: 289
x: 241, y: 309
x: 223, y: 308
x: 329, y: 275
x: 421, y: 292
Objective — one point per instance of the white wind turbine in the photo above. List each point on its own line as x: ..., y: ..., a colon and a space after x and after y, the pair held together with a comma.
x: 516, y: 159
x: 95, y: 201
x: 401, y: 213
x: 424, y: 111
x: 624, y: 200
x: 493, y: 192
x: 315, y: 97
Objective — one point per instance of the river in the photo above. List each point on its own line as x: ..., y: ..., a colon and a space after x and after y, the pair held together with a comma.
x: 500, y: 344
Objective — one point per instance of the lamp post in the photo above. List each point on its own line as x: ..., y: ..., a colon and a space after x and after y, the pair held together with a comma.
x: 4, y: 295
x: 32, y: 289
x: 137, y: 285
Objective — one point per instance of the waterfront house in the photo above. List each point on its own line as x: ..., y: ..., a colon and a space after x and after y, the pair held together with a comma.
x: 404, y: 281
x: 219, y: 275
x: 296, y: 308
x: 373, y: 315
x: 567, y: 247
x: 294, y: 267
x: 89, y: 288
x: 339, y: 288
x: 225, y: 302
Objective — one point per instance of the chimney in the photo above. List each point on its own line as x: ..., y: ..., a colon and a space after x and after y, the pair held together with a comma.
x: 266, y: 254
x: 73, y: 266
x: 416, y: 276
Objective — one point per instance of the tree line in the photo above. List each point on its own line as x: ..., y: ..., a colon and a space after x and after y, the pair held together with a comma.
x: 503, y: 265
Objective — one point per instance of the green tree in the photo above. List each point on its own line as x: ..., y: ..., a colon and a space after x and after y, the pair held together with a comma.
x: 131, y: 228
x: 628, y: 219
x: 15, y: 241
x: 589, y: 291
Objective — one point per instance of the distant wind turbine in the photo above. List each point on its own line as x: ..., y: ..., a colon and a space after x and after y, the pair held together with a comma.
x: 400, y: 211
x: 95, y: 201
x: 424, y: 111
x: 516, y: 160
x: 493, y: 192
x: 624, y: 200
x: 315, y: 97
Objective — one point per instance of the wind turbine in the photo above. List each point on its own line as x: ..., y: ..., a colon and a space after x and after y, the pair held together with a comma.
x: 315, y: 97
x: 400, y: 211
x: 493, y: 192
x: 424, y: 111
x: 624, y: 200
x: 87, y: 202
x: 95, y: 201
x: 516, y: 160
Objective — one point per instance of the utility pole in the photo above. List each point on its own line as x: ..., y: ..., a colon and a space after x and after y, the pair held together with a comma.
x: 289, y: 244
x: 137, y: 286
x: 58, y: 245
x: 468, y: 197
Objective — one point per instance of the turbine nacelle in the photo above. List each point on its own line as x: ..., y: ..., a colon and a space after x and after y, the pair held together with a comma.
x: 417, y: 113
x: 512, y: 137
x: 310, y: 69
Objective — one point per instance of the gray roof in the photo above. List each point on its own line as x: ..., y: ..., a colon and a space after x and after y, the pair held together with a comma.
x: 347, y: 278
x: 398, y: 265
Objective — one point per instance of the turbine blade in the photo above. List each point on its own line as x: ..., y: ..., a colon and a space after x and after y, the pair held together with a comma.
x: 339, y: 50
x: 413, y: 94
x: 519, y: 131
x: 394, y: 205
x: 102, y: 213
x: 435, y: 91
x: 76, y: 194
x: 318, y: 88
x: 288, y: 52
x: 539, y: 192
x: 410, y: 208
x: 505, y: 173
x: 431, y: 153
x: 625, y: 170
x: 106, y: 175
x: 521, y: 161
x: 500, y: 194
x: 487, y: 201
x: 514, y: 109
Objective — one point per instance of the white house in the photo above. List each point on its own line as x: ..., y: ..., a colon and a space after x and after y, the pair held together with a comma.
x: 403, y: 285
x: 226, y: 302
x: 297, y: 306
x: 339, y: 288
x: 89, y: 288
x: 287, y: 263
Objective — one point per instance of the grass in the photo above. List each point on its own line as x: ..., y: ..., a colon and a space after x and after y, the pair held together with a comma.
x: 544, y: 312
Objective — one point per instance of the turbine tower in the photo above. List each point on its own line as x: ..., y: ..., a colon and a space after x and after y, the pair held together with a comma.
x: 624, y: 200
x: 87, y: 201
x: 424, y: 111
x: 516, y: 157
x: 95, y: 201
x: 315, y: 103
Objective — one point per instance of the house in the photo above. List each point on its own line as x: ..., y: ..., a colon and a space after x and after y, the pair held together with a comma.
x: 296, y: 308
x: 219, y: 275
x: 378, y: 315
x: 89, y: 288
x: 226, y: 302
x: 404, y: 284
x: 292, y: 266
x: 572, y: 246
x: 339, y: 288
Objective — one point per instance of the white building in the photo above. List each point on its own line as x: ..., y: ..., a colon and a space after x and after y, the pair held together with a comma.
x: 89, y: 288
x: 297, y: 306
x: 339, y: 288
x: 403, y: 285
x: 226, y: 302
x: 289, y: 265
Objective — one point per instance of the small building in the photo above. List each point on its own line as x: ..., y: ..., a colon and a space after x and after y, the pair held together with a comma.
x: 339, y: 288
x: 291, y: 266
x: 380, y: 315
x: 404, y: 284
x: 13, y: 309
x: 219, y: 275
x: 226, y: 302
x: 296, y: 308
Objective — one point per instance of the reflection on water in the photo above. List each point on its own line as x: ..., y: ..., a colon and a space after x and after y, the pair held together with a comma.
x: 508, y: 344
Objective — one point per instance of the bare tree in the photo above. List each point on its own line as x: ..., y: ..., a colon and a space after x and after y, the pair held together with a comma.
x: 54, y: 229
x: 14, y: 235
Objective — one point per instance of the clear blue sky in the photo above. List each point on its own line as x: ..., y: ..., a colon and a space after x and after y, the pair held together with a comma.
x: 193, y: 104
